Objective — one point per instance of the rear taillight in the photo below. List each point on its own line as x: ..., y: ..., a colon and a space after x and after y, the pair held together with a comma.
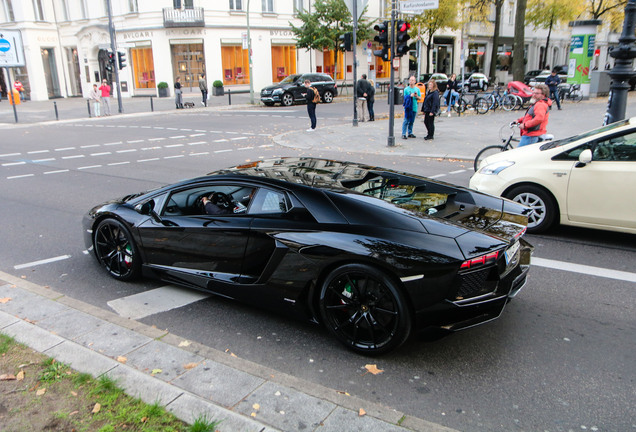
x: 481, y: 260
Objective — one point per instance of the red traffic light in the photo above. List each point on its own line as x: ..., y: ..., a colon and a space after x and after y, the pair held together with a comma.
x: 405, y: 26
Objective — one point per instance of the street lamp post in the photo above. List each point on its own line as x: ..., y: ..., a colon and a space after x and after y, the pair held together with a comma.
x: 624, y: 53
x: 249, y: 54
x: 113, y: 47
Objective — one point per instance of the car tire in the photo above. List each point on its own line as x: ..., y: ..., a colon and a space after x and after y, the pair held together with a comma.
x: 287, y: 99
x: 484, y: 86
x: 327, y: 97
x: 364, y: 309
x: 268, y: 103
x: 544, y: 208
x: 116, y: 250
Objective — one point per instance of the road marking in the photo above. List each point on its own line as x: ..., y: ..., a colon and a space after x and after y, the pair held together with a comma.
x: 174, y: 157
x: 266, y: 145
x: 156, y: 139
x: 89, y: 167
x: 147, y: 160
x: 223, y: 151
x: 65, y: 149
x: 177, y: 137
x: 457, y: 172
x: 197, y: 135
x: 118, y: 163
x: 113, y: 143
x: 198, y: 143
x: 89, y: 146
x: 126, y: 151
x: 10, y: 154
x: 37, y: 151
x: 56, y: 172
x: 199, y: 154
x: 101, y: 154
x: 44, y: 261
x: 14, y: 163
x: 232, y: 133
x: 245, y: 148
x: 220, y: 140
x: 437, y: 175
x: 237, y: 139
x: 173, y: 145
x: 73, y: 157
x: 20, y: 176
x: 584, y: 269
x: 135, y: 141
x: 43, y: 160
x: 158, y: 300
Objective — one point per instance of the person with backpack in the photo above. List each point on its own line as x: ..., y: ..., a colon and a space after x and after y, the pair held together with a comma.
x: 411, y: 95
x: 430, y: 107
x: 312, y: 97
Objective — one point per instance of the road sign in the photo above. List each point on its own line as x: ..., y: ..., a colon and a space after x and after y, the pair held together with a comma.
x: 360, y: 5
x: 418, y: 6
x: 11, y: 52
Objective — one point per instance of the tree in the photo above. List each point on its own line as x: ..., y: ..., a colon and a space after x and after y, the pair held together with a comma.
x: 614, y: 11
x: 322, y: 28
x: 482, y: 7
x: 432, y: 20
x: 548, y: 13
x: 518, y: 50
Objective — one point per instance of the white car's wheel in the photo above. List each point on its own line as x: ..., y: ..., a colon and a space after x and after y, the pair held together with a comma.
x: 542, y: 205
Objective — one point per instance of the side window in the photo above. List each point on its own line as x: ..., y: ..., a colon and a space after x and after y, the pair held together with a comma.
x: 618, y: 148
x: 268, y: 201
x: 225, y: 199
x: 572, y: 154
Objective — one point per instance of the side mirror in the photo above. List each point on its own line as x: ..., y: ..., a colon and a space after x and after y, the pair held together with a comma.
x: 584, y: 158
x: 148, y: 209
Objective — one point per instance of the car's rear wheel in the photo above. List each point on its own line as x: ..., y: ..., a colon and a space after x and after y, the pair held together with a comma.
x: 287, y: 99
x: 364, y: 309
x: 116, y: 250
x: 327, y: 97
x: 543, y: 207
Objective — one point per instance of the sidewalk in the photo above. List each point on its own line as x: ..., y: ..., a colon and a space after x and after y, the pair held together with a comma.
x: 221, y: 386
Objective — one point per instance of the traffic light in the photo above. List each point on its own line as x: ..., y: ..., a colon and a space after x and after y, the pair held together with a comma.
x: 121, y: 57
x: 383, y: 39
x: 401, y: 38
x: 346, y: 43
x: 111, y: 61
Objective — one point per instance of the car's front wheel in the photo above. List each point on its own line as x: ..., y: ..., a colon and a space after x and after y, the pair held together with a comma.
x: 116, y: 250
x: 544, y: 209
x: 327, y: 97
x: 287, y: 100
x: 364, y: 309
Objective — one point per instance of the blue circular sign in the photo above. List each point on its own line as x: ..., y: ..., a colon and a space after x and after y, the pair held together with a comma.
x: 4, y: 45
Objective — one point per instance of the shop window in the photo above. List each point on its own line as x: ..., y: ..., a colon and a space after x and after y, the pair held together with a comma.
x: 283, y: 62
x: 188, y: 63
x: 328, y: 60
x: 236, y: 62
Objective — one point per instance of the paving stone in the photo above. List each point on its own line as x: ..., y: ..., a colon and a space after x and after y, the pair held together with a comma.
x: 218, y: 383
x: 71, y: 324
x: 158, y: 355
x: 33, y: 307
x: 112, y: 340
x: 137, y: 384
x: 285, y: 408
x: 346, y: 420
x: 7, y: 319
x: 31, y: 335
x: 82, y: 359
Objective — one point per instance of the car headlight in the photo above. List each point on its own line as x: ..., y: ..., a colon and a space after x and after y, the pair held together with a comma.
x: 278, y: 91
x: 495, y: 167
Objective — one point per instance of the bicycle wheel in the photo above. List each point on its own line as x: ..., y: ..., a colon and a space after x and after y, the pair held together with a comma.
x: 481, y: 105
x: 460, y: 106
x: 509, y: 102
x: 484, y: 153
x: 576, y: 96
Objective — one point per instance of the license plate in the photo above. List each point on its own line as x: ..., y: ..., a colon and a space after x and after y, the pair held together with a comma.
x: 511, y: 252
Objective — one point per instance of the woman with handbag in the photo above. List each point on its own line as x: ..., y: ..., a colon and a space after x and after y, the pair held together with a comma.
x: 430, y: 106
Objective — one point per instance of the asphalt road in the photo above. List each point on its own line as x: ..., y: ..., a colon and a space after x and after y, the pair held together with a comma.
x: 561, y: 357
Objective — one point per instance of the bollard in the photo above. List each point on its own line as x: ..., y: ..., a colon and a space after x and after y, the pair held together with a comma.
x: 88, y: 105
x: 57, y: 117
x: 229, y: 96
x: 152, y: 107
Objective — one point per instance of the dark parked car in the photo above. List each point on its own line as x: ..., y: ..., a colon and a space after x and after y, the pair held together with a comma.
x: 440, y: 79
x: 292, y: 89
x: 533, y: 73
x: 373, y: 254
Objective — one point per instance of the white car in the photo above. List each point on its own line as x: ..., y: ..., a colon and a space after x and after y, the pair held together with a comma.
x: 588, y: 180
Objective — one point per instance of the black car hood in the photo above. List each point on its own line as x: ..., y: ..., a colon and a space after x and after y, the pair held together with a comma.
x: 277, y: 86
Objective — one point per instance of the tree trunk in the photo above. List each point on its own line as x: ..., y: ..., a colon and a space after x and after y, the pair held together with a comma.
x: 495, y: 41
x: 428, y: 52
x: 518, y: 50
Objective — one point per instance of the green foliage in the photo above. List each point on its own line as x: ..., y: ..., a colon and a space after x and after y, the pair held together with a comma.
x: 202, y: 424
x: 162, y: 85
x: 53, y: 371
x: 546, y: 14
x: 5, y: 343
x: 217, y: 83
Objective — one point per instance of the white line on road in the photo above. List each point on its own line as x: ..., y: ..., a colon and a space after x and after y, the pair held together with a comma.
x: 126, y: 151
x: 37, y: 151
x: 457, y: 172
x: 173, y: 145
x: 135, y: 141
x: 89, y: 146
x: 223, y: 151
x: 199, y: 154
x: 584, y: 269
x: 56, y: 172
x: 65, y: 149
x: 174, y: 157
x: 437, y: 175
x: 197, y: 143
x: 118, y: 163
x: 177, y: 137
x: 73, y: 157
x: 10, y: 154
x: 14, y: 163
x: 43, y: 160
x: 100, y: 154
x: 113, y: 143
x: 156, y: 139
x: 89, y: 167
x: 162, y: 299
x: 147, y: 160
x: 237, y: 139
x: 20, y: 176
x: 197, y: 135
x: 44, y: 261
x: 220, y: 140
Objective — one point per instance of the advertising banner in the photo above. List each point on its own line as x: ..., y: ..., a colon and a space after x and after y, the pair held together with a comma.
x: 581, y: 54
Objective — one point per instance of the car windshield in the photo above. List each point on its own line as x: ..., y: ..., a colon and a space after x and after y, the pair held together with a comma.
x: 290, y: 79
x: 562, y: 142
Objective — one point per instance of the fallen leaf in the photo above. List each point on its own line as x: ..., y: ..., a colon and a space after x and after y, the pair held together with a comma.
x: 73, y: 393
x: 373, y: 369
x: 5, y: 299
x: 73, y: 413
x: 7, y: 377
x: 233, y: 355
x: 343, y: 392
x: 190, y: 365
x: 156, y: 371
x: 256, y: 406
x: 23, y: 277
x: 96, y: 408
x: 184, y: 343
x: 40, y: 392
x: 253, y: 414
x: 122, y: 359
x: 20, y: 375
x: 361, y: 412
x: 144, y: 419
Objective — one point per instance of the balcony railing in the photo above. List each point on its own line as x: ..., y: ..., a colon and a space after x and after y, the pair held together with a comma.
x: 183, y: 17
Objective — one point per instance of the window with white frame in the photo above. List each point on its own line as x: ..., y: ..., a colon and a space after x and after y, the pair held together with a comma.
x: 64, y: 10
x: 38, y: 10
x: 236, y: 5
x: 268, y: 5
x: 8, y: 11
x: 132, y: 6
x: 298, y: 6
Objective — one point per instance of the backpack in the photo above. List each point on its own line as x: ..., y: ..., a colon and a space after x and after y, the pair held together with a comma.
x: 408, y: 102
x: 316, y: 98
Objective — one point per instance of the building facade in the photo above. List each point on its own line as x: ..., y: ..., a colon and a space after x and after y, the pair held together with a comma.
x: 67, y: 45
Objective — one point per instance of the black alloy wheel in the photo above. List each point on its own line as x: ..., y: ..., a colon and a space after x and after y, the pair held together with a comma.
x: 116, y: 250
x: 364, y: 309
x: 287, y: 100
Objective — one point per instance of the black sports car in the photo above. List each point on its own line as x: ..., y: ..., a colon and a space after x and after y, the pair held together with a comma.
x: 372, y: 253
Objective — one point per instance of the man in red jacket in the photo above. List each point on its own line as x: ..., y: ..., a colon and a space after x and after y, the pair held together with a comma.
x: 535, y: 122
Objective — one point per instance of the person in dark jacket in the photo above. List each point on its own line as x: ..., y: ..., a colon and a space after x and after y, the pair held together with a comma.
x: 362, y: 93
x: 430, y: 106
x: 451, y: 94
x: 371, y: 100
x: 311, y: 105
x: 553, y: 82
x: 178, y: 96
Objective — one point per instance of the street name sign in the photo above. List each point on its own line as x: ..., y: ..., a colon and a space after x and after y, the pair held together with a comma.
x: 418, y: 6
x: 11, y: 52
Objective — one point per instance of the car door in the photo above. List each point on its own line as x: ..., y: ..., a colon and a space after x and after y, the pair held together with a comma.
x: 298, y: 90
x: 602, y: 192
x: 193, y: 247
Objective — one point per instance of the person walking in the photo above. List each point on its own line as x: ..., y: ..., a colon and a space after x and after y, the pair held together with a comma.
x: 411, y: 95
x: 430, y: 106
x: 19, y: 87
x: 362, y: 93
x: 371, y: 100
x: 178, y: 94
x: 451, y: 94
x: 312, y: 97
x: 203, y: 86
x: 535, y: 121
x: 105, y: 97
x: 94, y: 96
x: 553, y: 82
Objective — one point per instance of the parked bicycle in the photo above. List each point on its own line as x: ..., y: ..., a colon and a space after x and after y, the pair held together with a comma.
x: 570, y: 92
x: 494, y: 100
